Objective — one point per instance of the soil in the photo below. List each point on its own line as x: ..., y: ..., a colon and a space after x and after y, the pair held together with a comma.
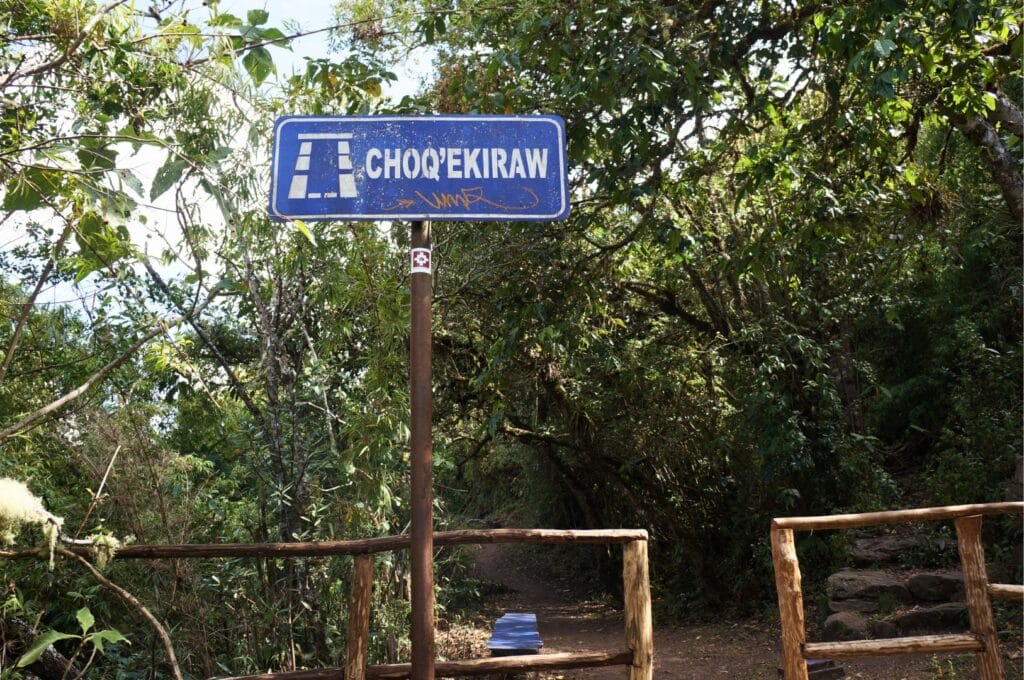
x: 572, y: 618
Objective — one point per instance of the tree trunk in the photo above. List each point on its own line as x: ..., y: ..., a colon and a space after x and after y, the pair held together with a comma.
x: 1003, y: 166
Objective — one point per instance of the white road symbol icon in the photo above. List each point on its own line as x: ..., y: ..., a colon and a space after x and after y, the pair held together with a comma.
x: 346, y: 180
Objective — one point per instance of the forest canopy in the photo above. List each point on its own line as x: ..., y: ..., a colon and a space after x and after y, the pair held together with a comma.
x: 790, y: 283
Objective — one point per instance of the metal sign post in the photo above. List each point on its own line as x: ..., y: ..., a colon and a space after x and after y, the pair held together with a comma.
x: 422, y: 504
x: 448, y: 167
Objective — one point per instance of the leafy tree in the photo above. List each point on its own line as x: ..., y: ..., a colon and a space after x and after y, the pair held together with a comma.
x: 237, y: 385
x: 757, y: 190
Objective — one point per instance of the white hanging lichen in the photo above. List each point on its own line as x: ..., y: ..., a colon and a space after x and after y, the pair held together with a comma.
x: 18, y: 507
x: 51, y: 531
x: 104, y: 546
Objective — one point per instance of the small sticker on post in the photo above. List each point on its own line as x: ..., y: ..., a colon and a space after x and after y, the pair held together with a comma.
x: 421, y: 261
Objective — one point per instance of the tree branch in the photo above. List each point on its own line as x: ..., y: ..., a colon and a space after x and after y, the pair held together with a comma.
x: 668, y: 303
x: 243, y: 393
x: 563, y: 440
x: 26, y: 308
x: 1001, y: 162
x: 55, y: 405
x: 54, y: 63
x: 1008, y: 113
x: 133, y: 602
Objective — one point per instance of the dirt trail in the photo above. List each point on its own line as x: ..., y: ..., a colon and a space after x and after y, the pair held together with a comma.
x: 570, y: 621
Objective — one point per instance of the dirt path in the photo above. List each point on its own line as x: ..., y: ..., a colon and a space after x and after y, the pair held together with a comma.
x: 570, y: 621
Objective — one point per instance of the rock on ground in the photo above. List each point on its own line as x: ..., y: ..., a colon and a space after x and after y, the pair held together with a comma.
x: 939, y: 618
x: 846, y: 626
x: 937, y: 586
x: 850, y: 584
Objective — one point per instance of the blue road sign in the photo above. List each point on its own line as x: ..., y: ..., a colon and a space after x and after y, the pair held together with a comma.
x: 419, y: 167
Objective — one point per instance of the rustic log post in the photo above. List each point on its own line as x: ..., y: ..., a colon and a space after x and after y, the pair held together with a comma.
x: 791, y: 603
x: 979, y: 606
x: 639, y: 626
x: 359, y: 618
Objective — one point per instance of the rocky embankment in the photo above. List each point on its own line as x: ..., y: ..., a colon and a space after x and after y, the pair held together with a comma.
x: 881, y: 600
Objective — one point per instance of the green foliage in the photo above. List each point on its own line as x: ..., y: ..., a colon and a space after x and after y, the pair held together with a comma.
x: 764, y: 198
x: 790, y: 285
x: 37, y: 648
x: 98, y: 639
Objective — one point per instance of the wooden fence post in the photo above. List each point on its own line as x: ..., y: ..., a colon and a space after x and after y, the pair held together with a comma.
x: 359, y: 618
x: 639, y: 626
x: 979, y: 606
x: 791, y: 603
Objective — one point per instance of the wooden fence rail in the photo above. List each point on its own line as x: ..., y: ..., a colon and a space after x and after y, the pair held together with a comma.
x: 468, y: 667
x: 365, y: 546
x: 981, y: 640
x: 638, y: 652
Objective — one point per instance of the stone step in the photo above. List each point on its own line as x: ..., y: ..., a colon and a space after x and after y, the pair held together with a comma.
x: 937, y: 585
x: 882, y: 549
x: 846, y: 626
x: 859, y: 606
x: 861, y: 589
x: 940, y: 618
x: 865, y: 584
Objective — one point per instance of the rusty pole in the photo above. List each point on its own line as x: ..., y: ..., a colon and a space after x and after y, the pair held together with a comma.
x: 422, y: 502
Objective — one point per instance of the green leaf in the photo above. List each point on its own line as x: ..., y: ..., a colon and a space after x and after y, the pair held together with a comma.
x: 90, y: 225
x: 990, y: 100
x: 819, y: 20
x: 192, y: 34
x: 910, y: 174
x: 304, y: 229
x: 258, y: 63
x: 28, y: 190
x: 21, y: 195
x: 255, y: 17
x: 219, y: 154
x: 99, y: 244
x: 928, y: 63
x: 132, y: 180
x: 884, y: 47
x: 104, y: 637
x: 97, y: 158
x: 33, y: 653
x: 273, y: 34
x: 168, y: 174
x: 225, y: 20
x: 85, y: 619
x: 218, y: 195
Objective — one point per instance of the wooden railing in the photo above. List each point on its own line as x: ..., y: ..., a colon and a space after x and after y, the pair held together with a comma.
x: 637, y: 653
x: 981, y: 640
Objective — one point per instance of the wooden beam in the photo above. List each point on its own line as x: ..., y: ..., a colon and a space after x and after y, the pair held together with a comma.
x: 503, y: 664
x: 979, y: 605
x: 1006, y: 591
x: 421, y: 488
x: 356, y: 547
x: 791, y: 603
x: 867, y: 519
x: 360, y: 597
x: 961, y: 642
x: 639, y: 626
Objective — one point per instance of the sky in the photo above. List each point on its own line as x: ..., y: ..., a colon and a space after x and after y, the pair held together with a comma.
x: 314, y: 14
